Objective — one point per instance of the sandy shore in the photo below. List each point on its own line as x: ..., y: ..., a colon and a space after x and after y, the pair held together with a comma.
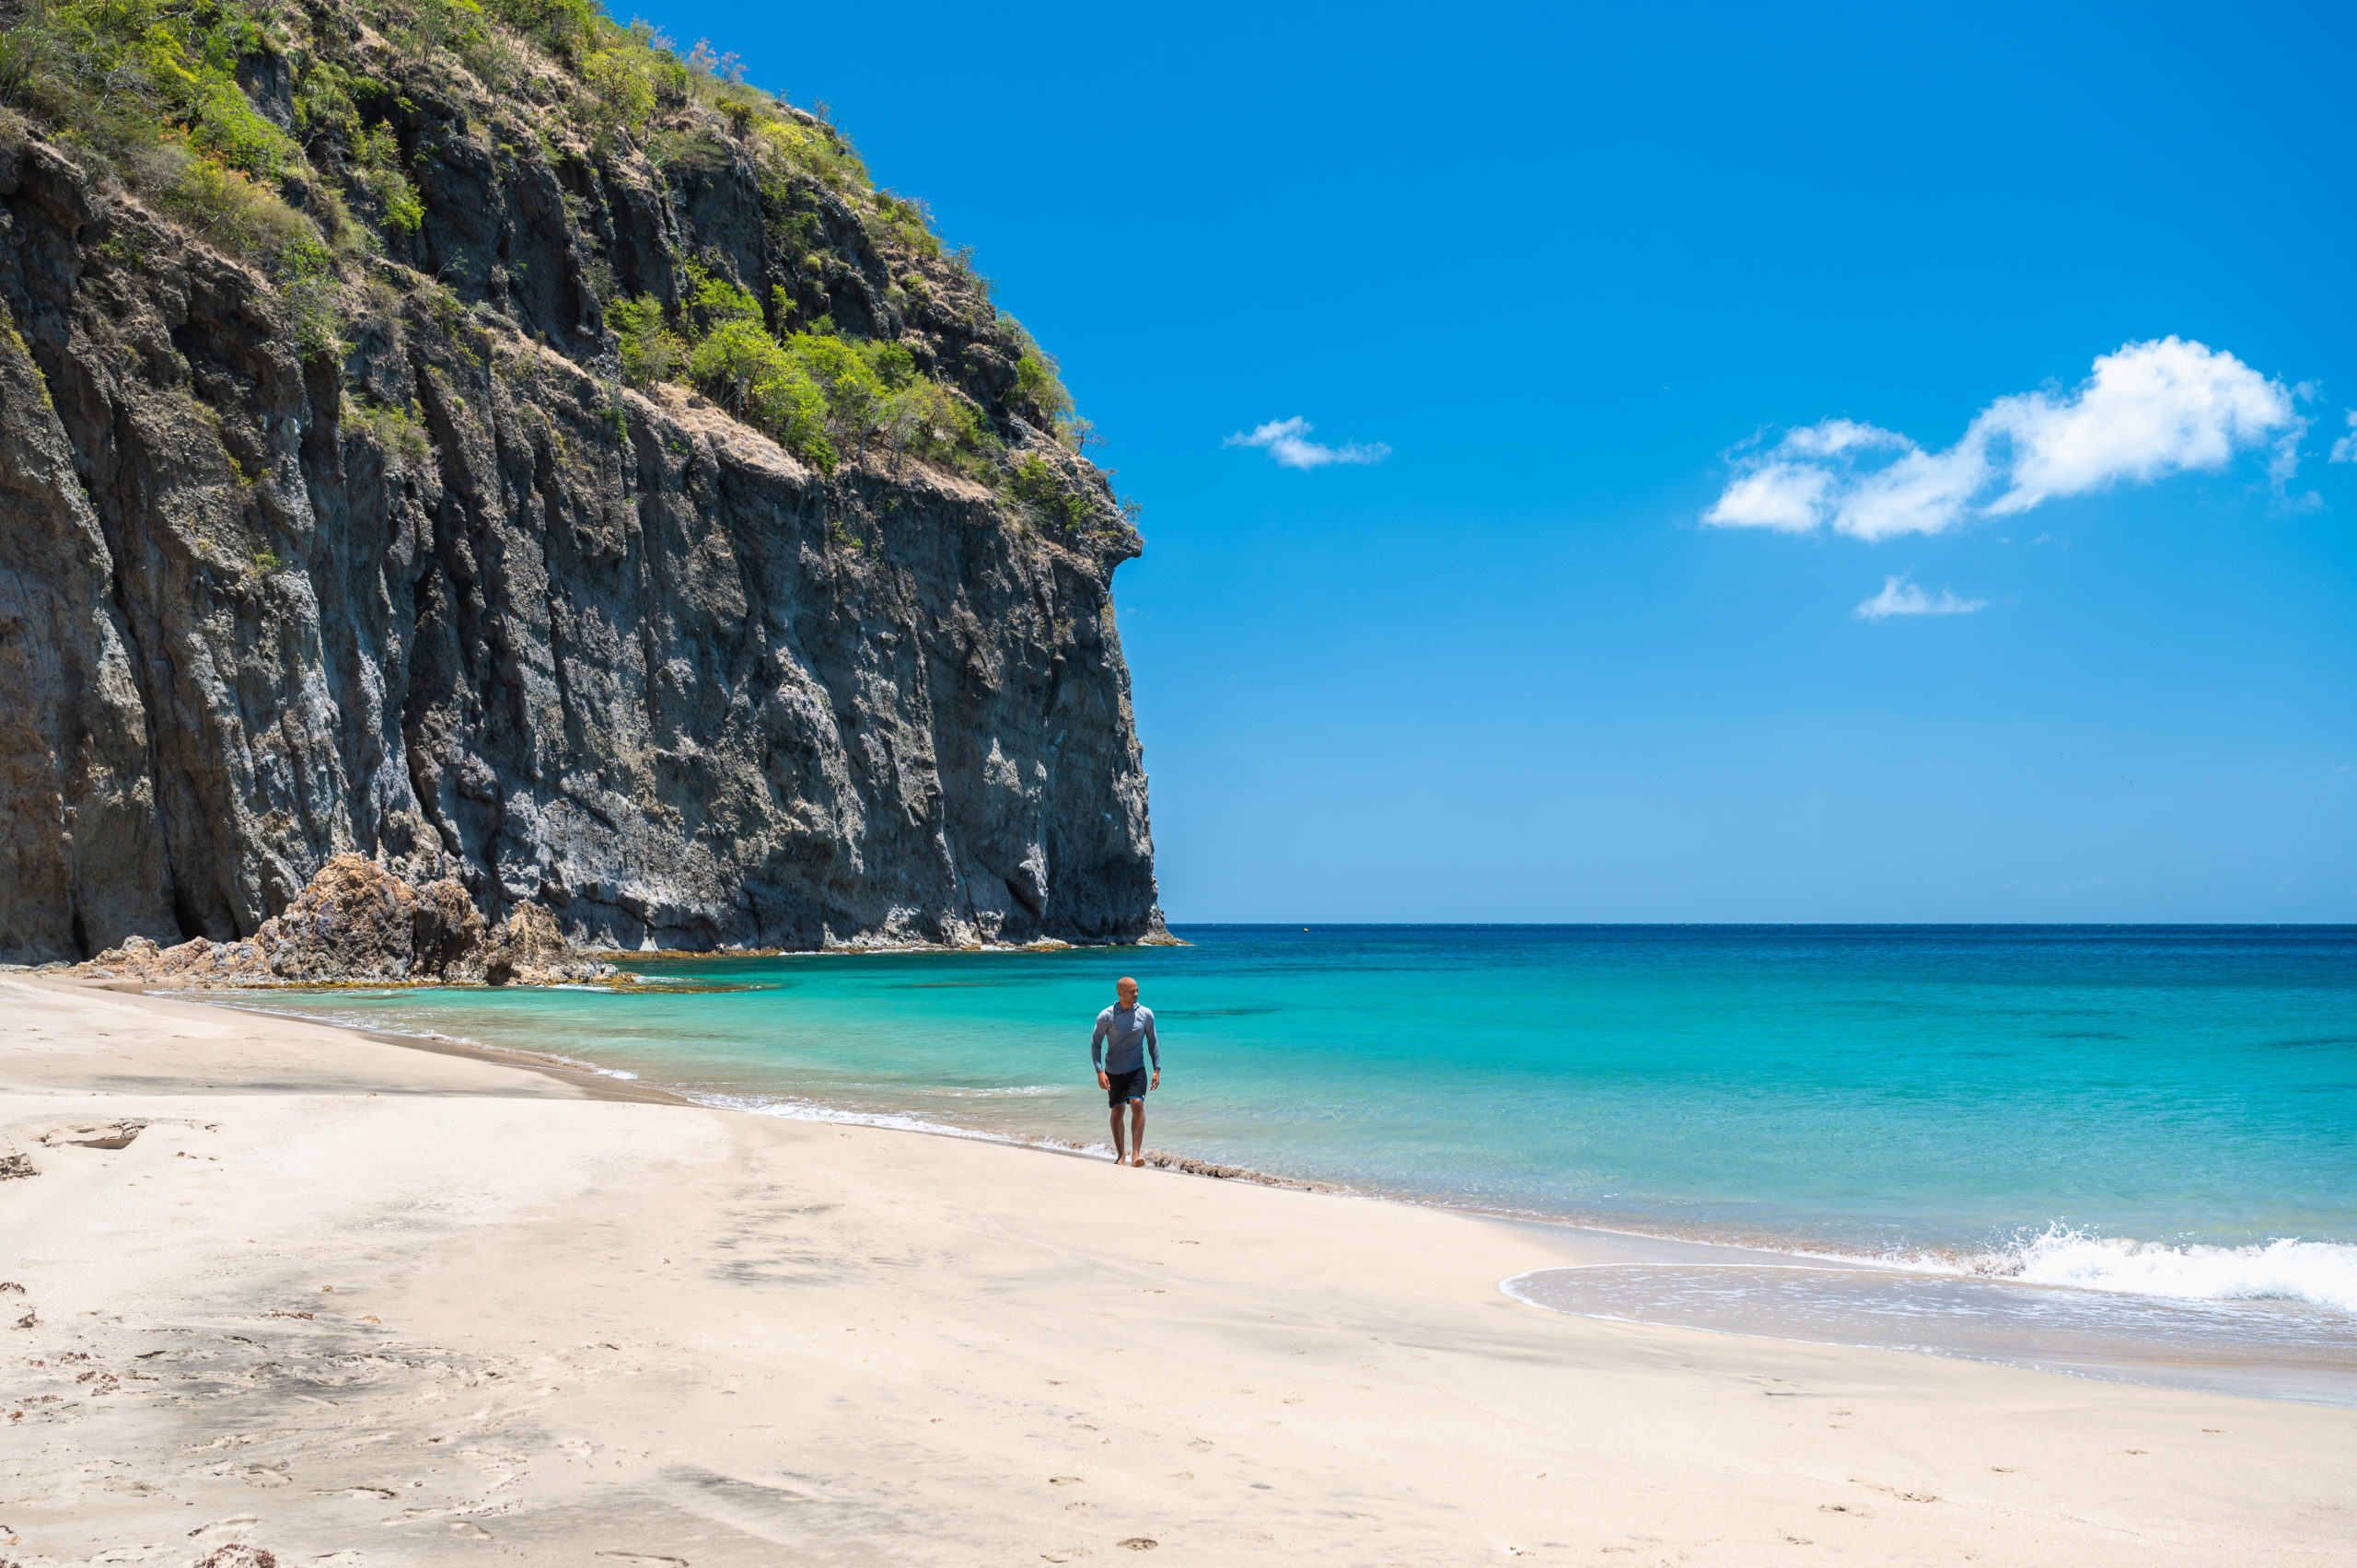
x: 356, y: 1303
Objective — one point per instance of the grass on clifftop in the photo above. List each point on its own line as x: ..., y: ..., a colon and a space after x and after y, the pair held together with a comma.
x: 280, y: 131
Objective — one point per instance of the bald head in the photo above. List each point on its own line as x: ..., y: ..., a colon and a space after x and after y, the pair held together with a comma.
x: 1126, y: 990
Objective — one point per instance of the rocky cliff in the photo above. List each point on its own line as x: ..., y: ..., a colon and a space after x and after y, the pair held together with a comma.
x: 499, y: 444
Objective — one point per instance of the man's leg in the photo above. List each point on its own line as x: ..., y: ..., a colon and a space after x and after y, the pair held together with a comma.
x: 1117, y: 1135
x: 1137, y: 1132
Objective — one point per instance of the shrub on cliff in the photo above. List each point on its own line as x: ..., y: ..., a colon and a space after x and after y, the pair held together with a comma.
x: 327, y: 103
x: 757, y: 379
x: 395, y: 430
x: 622, y: 87
x: 235, y: 211
x: 820, y: 395
x: 785, y: 147
x: 1050, y: 497
x: 379, y: 174
x: 649, y: 349
x: 909, y: 222
x: 565, y: 28
x: 1040, y: 388
x: 938, y: 425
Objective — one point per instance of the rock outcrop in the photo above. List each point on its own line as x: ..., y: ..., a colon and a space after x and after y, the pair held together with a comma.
x: 440, y: 591
x: 357, y: 921
x: 358, y: 924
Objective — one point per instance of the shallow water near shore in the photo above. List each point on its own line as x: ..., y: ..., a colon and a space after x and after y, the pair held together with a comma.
x: 2273, y: 1349
x: 2156, y: 1114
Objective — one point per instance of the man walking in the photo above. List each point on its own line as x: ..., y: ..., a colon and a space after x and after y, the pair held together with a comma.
x: 1118, y: 1050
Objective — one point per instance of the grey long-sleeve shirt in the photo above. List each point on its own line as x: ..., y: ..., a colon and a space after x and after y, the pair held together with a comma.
x: 1123, y: 1039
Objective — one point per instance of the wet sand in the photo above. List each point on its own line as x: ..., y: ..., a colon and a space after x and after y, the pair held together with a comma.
x: 355, y: 1302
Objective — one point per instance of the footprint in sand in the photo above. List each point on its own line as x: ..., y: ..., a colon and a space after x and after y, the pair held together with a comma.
x: 95, y: 1135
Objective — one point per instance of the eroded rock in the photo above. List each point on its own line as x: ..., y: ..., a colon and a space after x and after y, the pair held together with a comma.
x: 356, y: 924
x: 529, y: 950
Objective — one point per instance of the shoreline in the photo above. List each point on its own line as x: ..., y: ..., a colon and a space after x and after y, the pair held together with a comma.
x: 598, y: 1082
x: 317, y: 1294
x: 1823, y: 1251
x: 1802, y: 1246
x: 2236, y: 1368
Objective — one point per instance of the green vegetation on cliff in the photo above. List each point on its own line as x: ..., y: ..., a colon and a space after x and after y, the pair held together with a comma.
x: 331, y: 144
x: 817, y: 393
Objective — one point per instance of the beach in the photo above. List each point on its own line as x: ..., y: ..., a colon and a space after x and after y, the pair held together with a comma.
x: 347, y: 1300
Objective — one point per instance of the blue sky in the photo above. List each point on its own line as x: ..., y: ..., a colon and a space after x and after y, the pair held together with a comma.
x: 1579, y: 270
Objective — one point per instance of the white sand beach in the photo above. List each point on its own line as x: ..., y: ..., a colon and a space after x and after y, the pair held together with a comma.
x: 348, y: 1301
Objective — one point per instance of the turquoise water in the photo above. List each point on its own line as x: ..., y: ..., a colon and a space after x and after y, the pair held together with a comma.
x: 2166, y: 1109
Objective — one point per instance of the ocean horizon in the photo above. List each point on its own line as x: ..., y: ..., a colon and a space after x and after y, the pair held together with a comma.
x: 2157, y: 1113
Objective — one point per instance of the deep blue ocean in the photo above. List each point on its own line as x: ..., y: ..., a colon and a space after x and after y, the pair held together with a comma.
x: 2170, y: 1109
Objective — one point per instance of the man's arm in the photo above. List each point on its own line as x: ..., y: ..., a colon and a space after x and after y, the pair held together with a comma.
x: 1096, y: 1044
x: 1152, y: 1046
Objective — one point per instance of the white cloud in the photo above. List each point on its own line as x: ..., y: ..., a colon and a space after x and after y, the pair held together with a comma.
x: 1287, y: 441
x: 2345, y: 449
x: 1919, y: 492
x: 2149, y: 410
x: 1899, y: 596
x: 2152, y: 410
x: 1780, y: 495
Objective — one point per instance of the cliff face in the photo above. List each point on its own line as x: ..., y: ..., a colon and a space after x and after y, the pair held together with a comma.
x: 433, y: 585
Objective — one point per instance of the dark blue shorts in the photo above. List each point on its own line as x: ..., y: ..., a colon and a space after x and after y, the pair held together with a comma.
x: 1125, y: 1086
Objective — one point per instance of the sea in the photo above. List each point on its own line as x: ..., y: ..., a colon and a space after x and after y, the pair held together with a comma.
x: 2123, y: 1152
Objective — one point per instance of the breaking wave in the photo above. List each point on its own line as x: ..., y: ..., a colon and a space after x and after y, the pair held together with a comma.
x: 2322, y: 1274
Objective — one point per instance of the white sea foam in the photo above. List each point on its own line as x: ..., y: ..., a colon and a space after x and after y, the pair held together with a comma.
x: 819, y: 1110
x: 2323, y: 1273
x: 593, y: 1067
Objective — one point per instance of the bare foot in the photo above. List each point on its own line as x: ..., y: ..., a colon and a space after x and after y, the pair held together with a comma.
x: 1138, y: 1160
